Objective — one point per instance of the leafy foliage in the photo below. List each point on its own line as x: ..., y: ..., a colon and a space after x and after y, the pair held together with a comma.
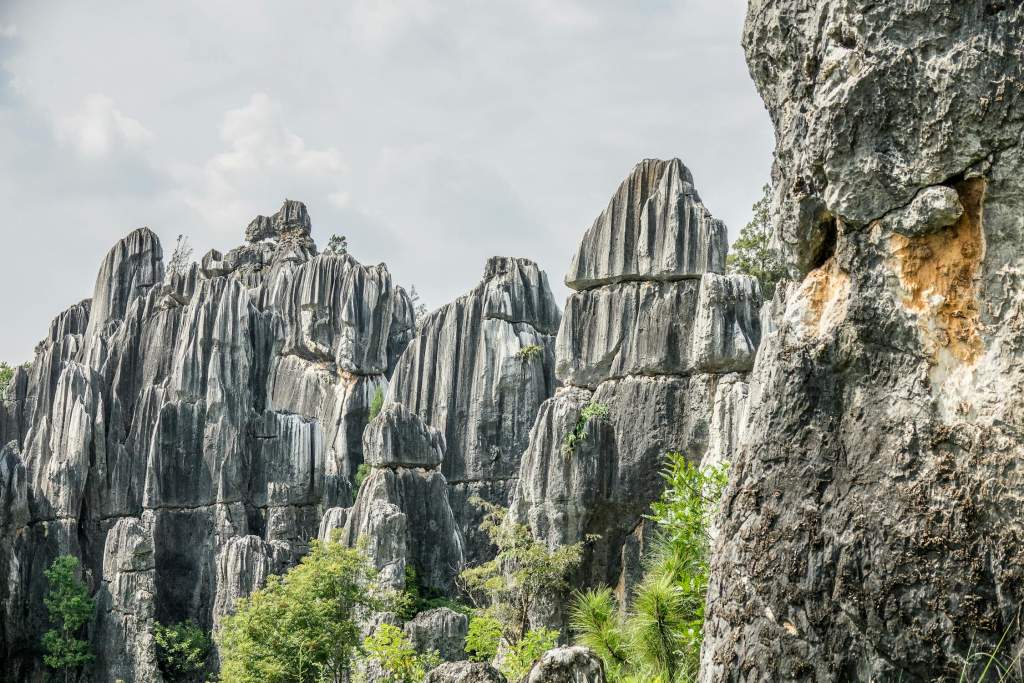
x: 303, y: 626
x: 752, y: 252
x: 483, y: 638
x: 529, y: 352
x: 591, y: 411
x: 181, y: 649
x: 377, y: 402
x: 419, y: 308
x: 69, y: 607
x: 521, y: 656
x: 337, y: 245
x: 399, y: 662
x: 660, y: 638
x: 362, y: 472
x: 418, y: 598
x: 181, y: 258
x: 6, y: 375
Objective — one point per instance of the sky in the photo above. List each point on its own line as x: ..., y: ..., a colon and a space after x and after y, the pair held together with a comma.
x: 433, y: 134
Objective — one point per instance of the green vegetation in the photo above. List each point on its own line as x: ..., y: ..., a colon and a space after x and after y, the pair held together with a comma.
x: 752, y: 252
x: 529, y: 352
x: 181, y: 258
x: 6, y: 375
x: 181, y: 649
x: 506, y: 589
x: 377, y: 402
x: 337, y: 245
x: 483, y: 638
x: 390, y: 649
x: 303, y: 626
x: 419, y: 309
x: 69, y: 607
x: 418, y: 598
x: 591, y: 411
x: 659, y: 638
x: 362, y: 472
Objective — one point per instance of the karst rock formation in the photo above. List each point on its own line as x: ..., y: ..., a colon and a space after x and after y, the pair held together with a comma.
x: 188, y: 430
x: 873, y: 528
x: 653, y: 331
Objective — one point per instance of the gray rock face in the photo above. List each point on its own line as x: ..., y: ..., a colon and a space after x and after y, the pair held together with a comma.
x: 871, y: 529
x: 659, y: 328
x: 199, y: 425
x: 398, y: 438
x: 431, y: 541
x: 439, y: 630
x: 645, y: 341
x: 567, y: 665
x: 477, y: 370
x: 655, y: 228
x: 464, y: 672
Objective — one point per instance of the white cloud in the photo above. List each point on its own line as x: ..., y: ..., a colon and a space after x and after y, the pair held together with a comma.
x: 8, y: 31
x: 99, y: 129
x: 264, y: 159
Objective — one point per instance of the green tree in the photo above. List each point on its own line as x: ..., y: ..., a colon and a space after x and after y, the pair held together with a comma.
x: 752, y: 252
x: 181, y: 649
x: 660, y: 638
x: 520, y: 657
x: 398, y: 660
x: 337, y: 245
x: 303, y: 626
x: 6, y: 375
x: 69, y: 607
x: 483, y: 638
x: 376, y: 403
x: 506, y: 589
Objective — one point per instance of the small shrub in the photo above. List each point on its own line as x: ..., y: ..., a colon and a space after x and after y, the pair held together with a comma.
x: 6, y: 375
x: 181, y: 649
x: 337, y: 245
x: 522, y: 655
x: 530, y: 352
x: 398, y: 659
x: 69, y: 607
x: 362, y: 472
x: 376, y: 403
x: 482, y: 638
x: 591, y: 411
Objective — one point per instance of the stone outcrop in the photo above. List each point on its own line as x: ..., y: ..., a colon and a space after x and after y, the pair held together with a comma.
x: 477, y: 370
x: 183, y: 433
x: 567, y: 665
x: 642, y: 348
x: 872, y: 526
x: 439, y: 630
x: 464, y: 672
x: 402, y: 507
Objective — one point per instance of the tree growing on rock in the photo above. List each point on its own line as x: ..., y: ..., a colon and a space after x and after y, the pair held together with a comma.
x: 506, y: 590
x: 660, y: 637
x: 752, y: 252
x: 337, y: 245
x: 69, y: 607
x: 303, y: 626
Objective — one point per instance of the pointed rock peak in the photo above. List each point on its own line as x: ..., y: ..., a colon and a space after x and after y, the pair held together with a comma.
x: 131, y: 268
x: 654, y: 228
x: 292, y: 218
x: 517, y: 290
x: 397, y: 437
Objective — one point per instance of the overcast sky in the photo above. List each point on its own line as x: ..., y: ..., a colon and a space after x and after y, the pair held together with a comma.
x: 432, y: 133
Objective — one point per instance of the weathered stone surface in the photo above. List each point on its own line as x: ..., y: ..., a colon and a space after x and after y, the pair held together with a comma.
x: 464, y: 672
x: 439, y: 630
x: 567, y: 665
x: 332, y: 522
x: 655, y: 228
x: 606, y: 483
x: 204, y: 421
x: 479, y: 378
x: 399, y: 438
x: 429, y: 539
x: 384, y: 527
x: 871, y: 529
x: 125, y: 610
x: 656, y: 328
